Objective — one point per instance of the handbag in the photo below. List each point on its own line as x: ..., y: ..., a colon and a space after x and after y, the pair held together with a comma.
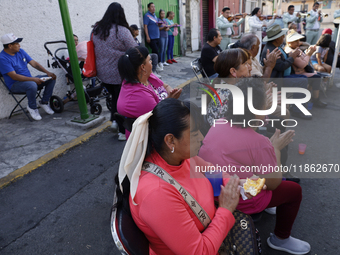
x: 242, y: 239
x: 89, y: 68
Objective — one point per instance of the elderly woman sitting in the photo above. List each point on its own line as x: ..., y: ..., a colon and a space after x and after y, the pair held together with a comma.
x: 141, y: 90
x: 238, y: 146
x: 169, y: 138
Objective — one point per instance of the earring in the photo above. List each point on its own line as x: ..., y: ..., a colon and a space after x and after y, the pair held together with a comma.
x: 173, y: 150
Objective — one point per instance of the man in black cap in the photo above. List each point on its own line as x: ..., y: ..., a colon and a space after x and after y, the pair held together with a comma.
x: 13, y: 67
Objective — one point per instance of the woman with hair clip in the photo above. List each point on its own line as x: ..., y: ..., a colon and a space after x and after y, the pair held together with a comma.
x: 237, y: 144
x: 141, y: 89
x: 112, y: 37
x: 255, y: 26
x: 169, y: 138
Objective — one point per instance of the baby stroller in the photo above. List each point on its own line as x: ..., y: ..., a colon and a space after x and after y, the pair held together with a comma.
x: 93, y: 89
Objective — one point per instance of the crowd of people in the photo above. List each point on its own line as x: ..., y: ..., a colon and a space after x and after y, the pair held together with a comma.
x: 170, y: 137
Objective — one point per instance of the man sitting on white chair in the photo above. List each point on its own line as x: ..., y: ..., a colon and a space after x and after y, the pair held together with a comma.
x: 13, y: 67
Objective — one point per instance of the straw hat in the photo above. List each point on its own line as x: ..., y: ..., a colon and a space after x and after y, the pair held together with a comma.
x: 293, y: 36
x: 274, y: 32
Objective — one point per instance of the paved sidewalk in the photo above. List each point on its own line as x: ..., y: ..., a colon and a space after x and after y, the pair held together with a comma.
x: 23, y: 142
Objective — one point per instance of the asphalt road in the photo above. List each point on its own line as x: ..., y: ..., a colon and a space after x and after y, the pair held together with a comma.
x: 64, y: 206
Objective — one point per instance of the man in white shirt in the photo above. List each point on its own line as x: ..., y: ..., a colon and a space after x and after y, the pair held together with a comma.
x: 226, y: 27
x: 313, y: 24
x: 290, y: 16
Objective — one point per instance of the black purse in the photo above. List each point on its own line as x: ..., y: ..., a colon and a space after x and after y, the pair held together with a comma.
x: 243, y: 238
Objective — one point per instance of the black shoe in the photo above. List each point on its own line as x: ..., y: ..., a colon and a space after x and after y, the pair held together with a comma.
x: 318, y: 103
x: 291, y: 178
x: 301, y: 115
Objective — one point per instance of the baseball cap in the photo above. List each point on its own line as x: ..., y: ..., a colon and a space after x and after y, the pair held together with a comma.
x: 10, y: 38
x: 134, y: 27
x: 327, y: 31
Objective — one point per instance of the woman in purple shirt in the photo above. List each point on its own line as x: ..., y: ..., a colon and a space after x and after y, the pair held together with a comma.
x: 141, y: 89
x: 112, y: 37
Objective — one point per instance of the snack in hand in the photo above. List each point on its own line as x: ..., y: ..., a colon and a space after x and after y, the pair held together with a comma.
x: 254, y: 186
x: 45, y: 78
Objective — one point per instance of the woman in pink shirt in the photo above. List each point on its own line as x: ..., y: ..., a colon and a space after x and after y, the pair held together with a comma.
x: 238, y: 147
x: 141, y: 90
x: 157, y: 207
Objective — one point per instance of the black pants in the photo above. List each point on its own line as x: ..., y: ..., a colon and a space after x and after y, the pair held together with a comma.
x: 114, y: 90
x: 154, y: 45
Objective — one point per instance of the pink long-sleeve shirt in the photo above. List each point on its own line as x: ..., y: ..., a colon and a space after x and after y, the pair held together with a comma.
x: 168, y: 222
x: 136, y: 99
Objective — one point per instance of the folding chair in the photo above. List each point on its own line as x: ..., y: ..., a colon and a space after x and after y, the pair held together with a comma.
x: 197, y: 68
x: 129, y: 239
x: 18, y: 101
x: 125, y: 121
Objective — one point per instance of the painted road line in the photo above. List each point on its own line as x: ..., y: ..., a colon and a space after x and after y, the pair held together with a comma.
x: 20, y: 172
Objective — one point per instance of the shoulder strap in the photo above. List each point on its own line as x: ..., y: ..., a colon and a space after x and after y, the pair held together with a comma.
x: 189, y: 199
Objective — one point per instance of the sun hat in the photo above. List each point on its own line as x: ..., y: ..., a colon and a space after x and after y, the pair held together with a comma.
x: 274, y: 32
x: 293, y: 36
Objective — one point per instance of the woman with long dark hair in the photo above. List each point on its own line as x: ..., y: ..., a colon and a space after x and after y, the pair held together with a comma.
x: 112, y: 37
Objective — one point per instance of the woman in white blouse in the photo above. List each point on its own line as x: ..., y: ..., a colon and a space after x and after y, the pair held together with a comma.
x: 255, y: 26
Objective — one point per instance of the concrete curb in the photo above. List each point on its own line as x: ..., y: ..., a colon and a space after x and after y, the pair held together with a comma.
x: 49, y: 156
x: 20, y: 172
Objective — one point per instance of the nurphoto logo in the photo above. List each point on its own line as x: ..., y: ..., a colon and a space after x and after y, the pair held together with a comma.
x: 238, y: 103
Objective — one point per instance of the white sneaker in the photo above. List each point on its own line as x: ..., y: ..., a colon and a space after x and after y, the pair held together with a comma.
x: 34, y: 113
x: 46, y: 108
x: 159, y: 67
x: 271, y: 210
x: 165, y: 64
x: 158, y: 76
x: 114, y: 126
x: 121, y: 137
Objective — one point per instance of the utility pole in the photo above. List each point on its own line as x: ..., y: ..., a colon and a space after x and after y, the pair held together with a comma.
x: 65, y: 16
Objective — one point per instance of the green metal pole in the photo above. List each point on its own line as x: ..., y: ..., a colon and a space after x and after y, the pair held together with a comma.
x: 65, y: 16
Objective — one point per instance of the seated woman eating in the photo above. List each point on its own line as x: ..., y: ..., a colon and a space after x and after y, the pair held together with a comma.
x: 141, y: 90
x: 169, y: 138
x: 239, y: 146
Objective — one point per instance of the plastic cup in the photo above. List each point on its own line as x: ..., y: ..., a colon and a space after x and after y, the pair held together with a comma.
x: 216, y: 181
x: 302, y: 148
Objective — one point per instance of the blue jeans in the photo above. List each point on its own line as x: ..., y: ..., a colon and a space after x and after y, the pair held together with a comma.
x: 170, y: 52
x: 163, y: 44
x: 30, y: 88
